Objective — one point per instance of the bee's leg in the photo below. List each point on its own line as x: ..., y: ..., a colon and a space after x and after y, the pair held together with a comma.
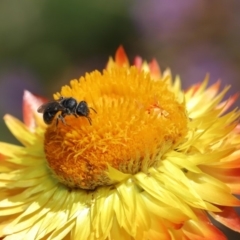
x: 93, y: 109
x: 56, y: 121
x: 89, y: 120
x: 75, y: 115
x: 67, y: 112
x: 60, y: 117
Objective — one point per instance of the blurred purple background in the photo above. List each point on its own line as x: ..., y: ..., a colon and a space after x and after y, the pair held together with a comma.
x: 44, y: 44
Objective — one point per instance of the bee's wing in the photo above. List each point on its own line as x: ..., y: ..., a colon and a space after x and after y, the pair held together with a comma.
x: 54, y: 106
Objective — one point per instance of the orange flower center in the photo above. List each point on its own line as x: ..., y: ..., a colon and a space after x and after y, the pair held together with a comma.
x: 137, y: 121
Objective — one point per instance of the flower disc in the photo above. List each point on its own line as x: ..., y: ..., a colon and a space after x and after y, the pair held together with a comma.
x: 137, y: 121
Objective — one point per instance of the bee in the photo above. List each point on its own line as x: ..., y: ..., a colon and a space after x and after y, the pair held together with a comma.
x: 66, y: 106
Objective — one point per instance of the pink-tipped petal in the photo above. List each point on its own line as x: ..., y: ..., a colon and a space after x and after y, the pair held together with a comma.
x: 121, y: 58
x: 202, y: 229
x: 229, y: 176
x: 214, y: 234
x: 228, y: 217
x: 31, y: 103
x: 194, y: 88
x: 2, y: 157
x: 154, y: 69
x: 213, y: 89
x: 237, y: 129
x: 228, y: 103
x: 138, y: 62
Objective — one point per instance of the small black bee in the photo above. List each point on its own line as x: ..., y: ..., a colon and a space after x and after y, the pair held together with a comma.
x: 66, y: 106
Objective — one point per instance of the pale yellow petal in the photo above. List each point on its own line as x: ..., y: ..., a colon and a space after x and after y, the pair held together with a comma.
x: 82, y: 229
x: 19, y: 130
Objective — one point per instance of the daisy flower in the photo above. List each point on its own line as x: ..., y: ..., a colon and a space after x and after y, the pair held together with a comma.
x: 154, y: 162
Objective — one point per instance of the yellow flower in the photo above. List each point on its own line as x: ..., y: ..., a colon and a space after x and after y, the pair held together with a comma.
x: 151, y: 163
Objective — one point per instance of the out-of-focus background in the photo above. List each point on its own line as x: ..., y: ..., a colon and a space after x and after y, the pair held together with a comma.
x: 44, y: 44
